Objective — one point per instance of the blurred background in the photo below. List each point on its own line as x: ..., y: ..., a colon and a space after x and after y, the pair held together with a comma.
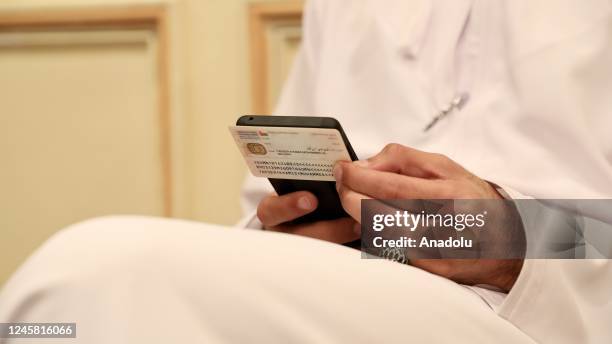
x: 122, y: 107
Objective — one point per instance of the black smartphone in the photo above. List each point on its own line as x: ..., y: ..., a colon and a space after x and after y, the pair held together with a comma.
x: 329, y: 206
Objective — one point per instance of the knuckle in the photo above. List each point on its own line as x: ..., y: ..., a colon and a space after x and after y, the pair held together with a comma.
x: 392, y: 148
x: 441, y: 158
x: 439, y: 165
x: 447, y: 163
x: 453, y: 166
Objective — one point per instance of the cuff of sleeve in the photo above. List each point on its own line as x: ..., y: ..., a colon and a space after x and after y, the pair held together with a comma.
x: 509, y: 193
x: 528, y: 283
x: 525, y: 281
x: 251, y: 222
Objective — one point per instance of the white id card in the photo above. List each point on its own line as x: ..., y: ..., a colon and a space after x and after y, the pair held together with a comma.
x: 290, y: 153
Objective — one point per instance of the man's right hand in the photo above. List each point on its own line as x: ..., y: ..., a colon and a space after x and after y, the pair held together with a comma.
x: 274, y: 211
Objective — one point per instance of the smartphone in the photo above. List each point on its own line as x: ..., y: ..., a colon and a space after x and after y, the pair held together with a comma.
x: 329, y: 206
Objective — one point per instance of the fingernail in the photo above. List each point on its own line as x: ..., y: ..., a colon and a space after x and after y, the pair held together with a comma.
x: 338, y: 172
x: 304, y: 203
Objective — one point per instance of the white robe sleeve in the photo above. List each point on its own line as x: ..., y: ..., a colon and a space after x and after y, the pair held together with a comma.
x: 569, y: 301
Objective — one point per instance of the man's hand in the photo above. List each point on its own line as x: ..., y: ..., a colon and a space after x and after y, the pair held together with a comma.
x: 274, y: 211
x: 400, y: 172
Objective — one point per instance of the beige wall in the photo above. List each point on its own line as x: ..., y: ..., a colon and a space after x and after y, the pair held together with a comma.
x: 86, y: 110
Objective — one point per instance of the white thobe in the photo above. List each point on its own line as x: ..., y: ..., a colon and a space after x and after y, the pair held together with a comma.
x: 538, y: 119
x: 537, y: 123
